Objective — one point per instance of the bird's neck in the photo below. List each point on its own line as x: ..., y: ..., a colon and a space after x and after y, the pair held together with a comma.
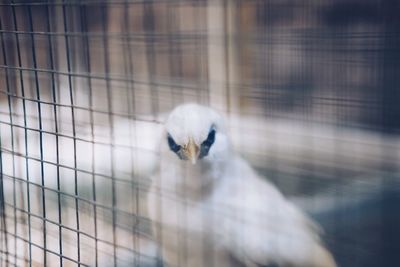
x: 197, y: 181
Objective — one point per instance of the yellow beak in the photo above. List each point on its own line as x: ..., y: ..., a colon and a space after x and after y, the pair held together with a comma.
x: 191, y: 151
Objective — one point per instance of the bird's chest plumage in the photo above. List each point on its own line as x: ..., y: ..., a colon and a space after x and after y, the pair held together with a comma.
x: 186, y: 221
x: 237, y: 214
x: 181, y: 199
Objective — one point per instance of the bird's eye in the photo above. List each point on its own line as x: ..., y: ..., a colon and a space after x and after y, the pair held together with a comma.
x: 206, y: 145
x: 172, y: 145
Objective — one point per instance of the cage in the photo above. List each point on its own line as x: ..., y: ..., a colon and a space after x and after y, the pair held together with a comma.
x: 310, y: 91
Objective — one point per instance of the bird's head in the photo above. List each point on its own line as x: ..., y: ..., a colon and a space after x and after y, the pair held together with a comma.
x: 196, y: 132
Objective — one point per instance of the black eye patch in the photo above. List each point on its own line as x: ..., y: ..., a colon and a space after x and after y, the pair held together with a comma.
x: 172, y: 145
x: 206, y: 145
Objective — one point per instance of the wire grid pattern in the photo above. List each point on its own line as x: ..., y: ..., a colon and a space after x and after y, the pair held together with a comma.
x: 79, y: 78
x: 49, y: 50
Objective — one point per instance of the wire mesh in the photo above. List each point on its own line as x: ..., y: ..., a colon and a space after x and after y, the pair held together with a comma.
x: 310, y: 91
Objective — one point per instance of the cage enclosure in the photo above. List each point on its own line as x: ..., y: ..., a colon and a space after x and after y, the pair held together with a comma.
x: 309, y: 90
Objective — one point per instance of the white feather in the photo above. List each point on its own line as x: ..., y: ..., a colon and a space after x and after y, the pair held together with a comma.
x: 221, y: 207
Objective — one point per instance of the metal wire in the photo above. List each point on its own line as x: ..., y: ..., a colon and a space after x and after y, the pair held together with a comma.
x: 314, y: 86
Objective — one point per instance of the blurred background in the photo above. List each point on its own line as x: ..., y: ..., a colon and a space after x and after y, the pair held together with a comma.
x: 310, y: 91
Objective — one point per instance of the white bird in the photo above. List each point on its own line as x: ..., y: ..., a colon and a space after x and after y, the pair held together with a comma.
x: 210, y: 208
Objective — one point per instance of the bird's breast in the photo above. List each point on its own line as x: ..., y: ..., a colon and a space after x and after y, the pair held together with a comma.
x: 187, y: 180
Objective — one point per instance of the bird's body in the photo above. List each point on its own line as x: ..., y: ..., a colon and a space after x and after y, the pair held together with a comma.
x: 219, y: 210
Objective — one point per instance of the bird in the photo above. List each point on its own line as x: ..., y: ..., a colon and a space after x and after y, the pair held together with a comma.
x: 209, y: 207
